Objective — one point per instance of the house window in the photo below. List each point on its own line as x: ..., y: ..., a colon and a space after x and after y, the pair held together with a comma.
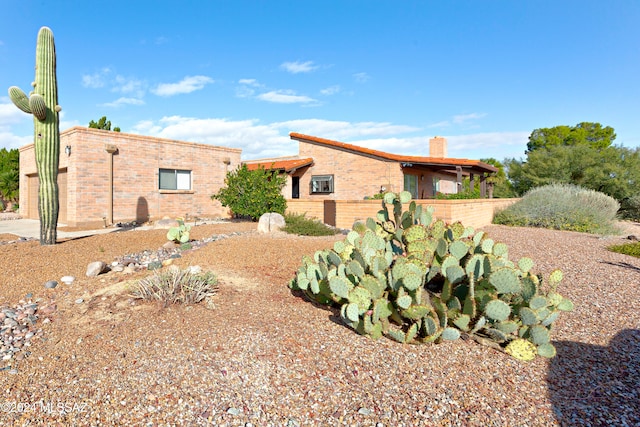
x: 321, y: 184
x: 411, y: 185
x: 175, y: 179
x: 436, y: 185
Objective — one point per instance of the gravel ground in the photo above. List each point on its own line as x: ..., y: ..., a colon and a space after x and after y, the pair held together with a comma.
x: 265, y: 357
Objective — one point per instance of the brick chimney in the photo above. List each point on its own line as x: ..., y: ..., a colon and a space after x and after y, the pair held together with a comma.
x: 438, y: 147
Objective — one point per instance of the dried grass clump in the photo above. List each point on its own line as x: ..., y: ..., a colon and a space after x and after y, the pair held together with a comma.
x: 177, y: 286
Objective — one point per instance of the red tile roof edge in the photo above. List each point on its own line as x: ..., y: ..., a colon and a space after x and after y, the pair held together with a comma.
x: 393, y: 157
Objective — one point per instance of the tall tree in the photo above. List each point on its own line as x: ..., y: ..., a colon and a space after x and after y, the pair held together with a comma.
x: 585, y: 133
x: 502, y: 187
x: 42, y: 103
x: 103, y: 124
x: 9, y: 175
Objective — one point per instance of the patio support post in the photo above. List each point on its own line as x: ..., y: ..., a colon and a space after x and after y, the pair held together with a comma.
x: 111, y: 149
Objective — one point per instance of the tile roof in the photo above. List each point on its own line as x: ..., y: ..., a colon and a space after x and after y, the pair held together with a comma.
x: 475, y: 164
x: 284, y: 165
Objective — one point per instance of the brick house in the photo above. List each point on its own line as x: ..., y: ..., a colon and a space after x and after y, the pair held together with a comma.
x: 332, y: 170
x: 108, y: 177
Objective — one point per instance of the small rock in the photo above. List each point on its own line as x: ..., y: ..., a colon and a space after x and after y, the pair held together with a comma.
x: 117, y: 268
x: 129, y: 270
x: 67, y: 280
x: 167, y: 262
x: 365, y: 411
x: 233, y: 411
x: 51, y: 284
x: 170, y: 245
x: 195, y: 269
x: 95, y: 268
x: 79, y: 301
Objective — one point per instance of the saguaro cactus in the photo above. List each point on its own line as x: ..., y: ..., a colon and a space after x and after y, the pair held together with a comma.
x: 42, y: 102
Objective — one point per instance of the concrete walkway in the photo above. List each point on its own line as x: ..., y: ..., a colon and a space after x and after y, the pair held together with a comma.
x: 30, y: 228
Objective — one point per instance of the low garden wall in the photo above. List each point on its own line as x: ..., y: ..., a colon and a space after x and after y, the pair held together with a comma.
x: 343, y: 213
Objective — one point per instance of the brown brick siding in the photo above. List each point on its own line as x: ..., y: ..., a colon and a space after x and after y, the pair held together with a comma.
x: 135, y: 170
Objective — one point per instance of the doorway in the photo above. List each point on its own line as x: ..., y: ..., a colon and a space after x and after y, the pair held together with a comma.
x: 295, y: 187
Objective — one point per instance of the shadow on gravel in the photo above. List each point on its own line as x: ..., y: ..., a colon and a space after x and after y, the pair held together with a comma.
x: 592, y: 385
x: 623, y: 265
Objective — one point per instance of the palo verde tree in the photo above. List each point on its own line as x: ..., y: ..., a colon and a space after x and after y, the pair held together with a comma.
x: 251, y: 193
x: 42, y: 102
x: 103, y: 123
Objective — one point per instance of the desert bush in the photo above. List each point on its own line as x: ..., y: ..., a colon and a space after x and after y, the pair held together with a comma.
x: 303, y: 226
x: 418, y: 281
x: 632, y: 249
x: 176, y: 286
x: 563, y: 207
x: 630, y: 208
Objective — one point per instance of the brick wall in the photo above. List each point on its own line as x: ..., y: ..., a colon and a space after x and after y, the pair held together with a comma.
x: 475, y: 213
x: 136, y: 166
x: 355, y: 175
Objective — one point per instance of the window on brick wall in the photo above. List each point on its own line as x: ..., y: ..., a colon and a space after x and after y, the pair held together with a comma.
x: 411, y: 185
x: 175, y: 179
x: 321, y: 184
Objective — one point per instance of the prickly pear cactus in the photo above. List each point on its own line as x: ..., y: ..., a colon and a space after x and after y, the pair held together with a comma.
x: 416, y: 280
x: 42, y: 102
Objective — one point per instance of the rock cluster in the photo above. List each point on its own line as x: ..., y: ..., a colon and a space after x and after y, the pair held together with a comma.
x: 152, y: 259
x: 19, y: 324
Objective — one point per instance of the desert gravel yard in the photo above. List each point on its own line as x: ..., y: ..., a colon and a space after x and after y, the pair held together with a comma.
x: 264, y: 356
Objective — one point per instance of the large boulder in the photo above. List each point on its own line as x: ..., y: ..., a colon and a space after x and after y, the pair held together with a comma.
x: 270, y: 222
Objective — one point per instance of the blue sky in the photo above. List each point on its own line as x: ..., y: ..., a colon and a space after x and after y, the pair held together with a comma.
x: 386, y: 75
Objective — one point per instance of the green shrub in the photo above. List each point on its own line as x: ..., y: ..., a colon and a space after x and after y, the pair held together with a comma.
x: 417, y: 281
x: 303, y: 226
x: 475, y: 194
x: 632, y: 249
x: 251, y: 193
x: 563, y: 207
x: 630, y: 208
x: 176, y: 286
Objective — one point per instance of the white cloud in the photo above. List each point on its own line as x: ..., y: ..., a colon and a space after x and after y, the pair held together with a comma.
x: 97, y: 79
x: 187, y: 85
x: 299, y: 67
x: 343, y: 131
x: 258, y: 140
x: 463, y: 118
x: 249, y: 82
x: 246, y: 88
x: 489, y: 144
x: 129, y: 85
x: 361, y: 77
x: 10, y: 114
x: 285, y: 97
x: 331, y: 90
x: 123, y: 101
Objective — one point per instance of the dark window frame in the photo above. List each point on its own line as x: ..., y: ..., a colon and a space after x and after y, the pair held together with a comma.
x: 321, y: 184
